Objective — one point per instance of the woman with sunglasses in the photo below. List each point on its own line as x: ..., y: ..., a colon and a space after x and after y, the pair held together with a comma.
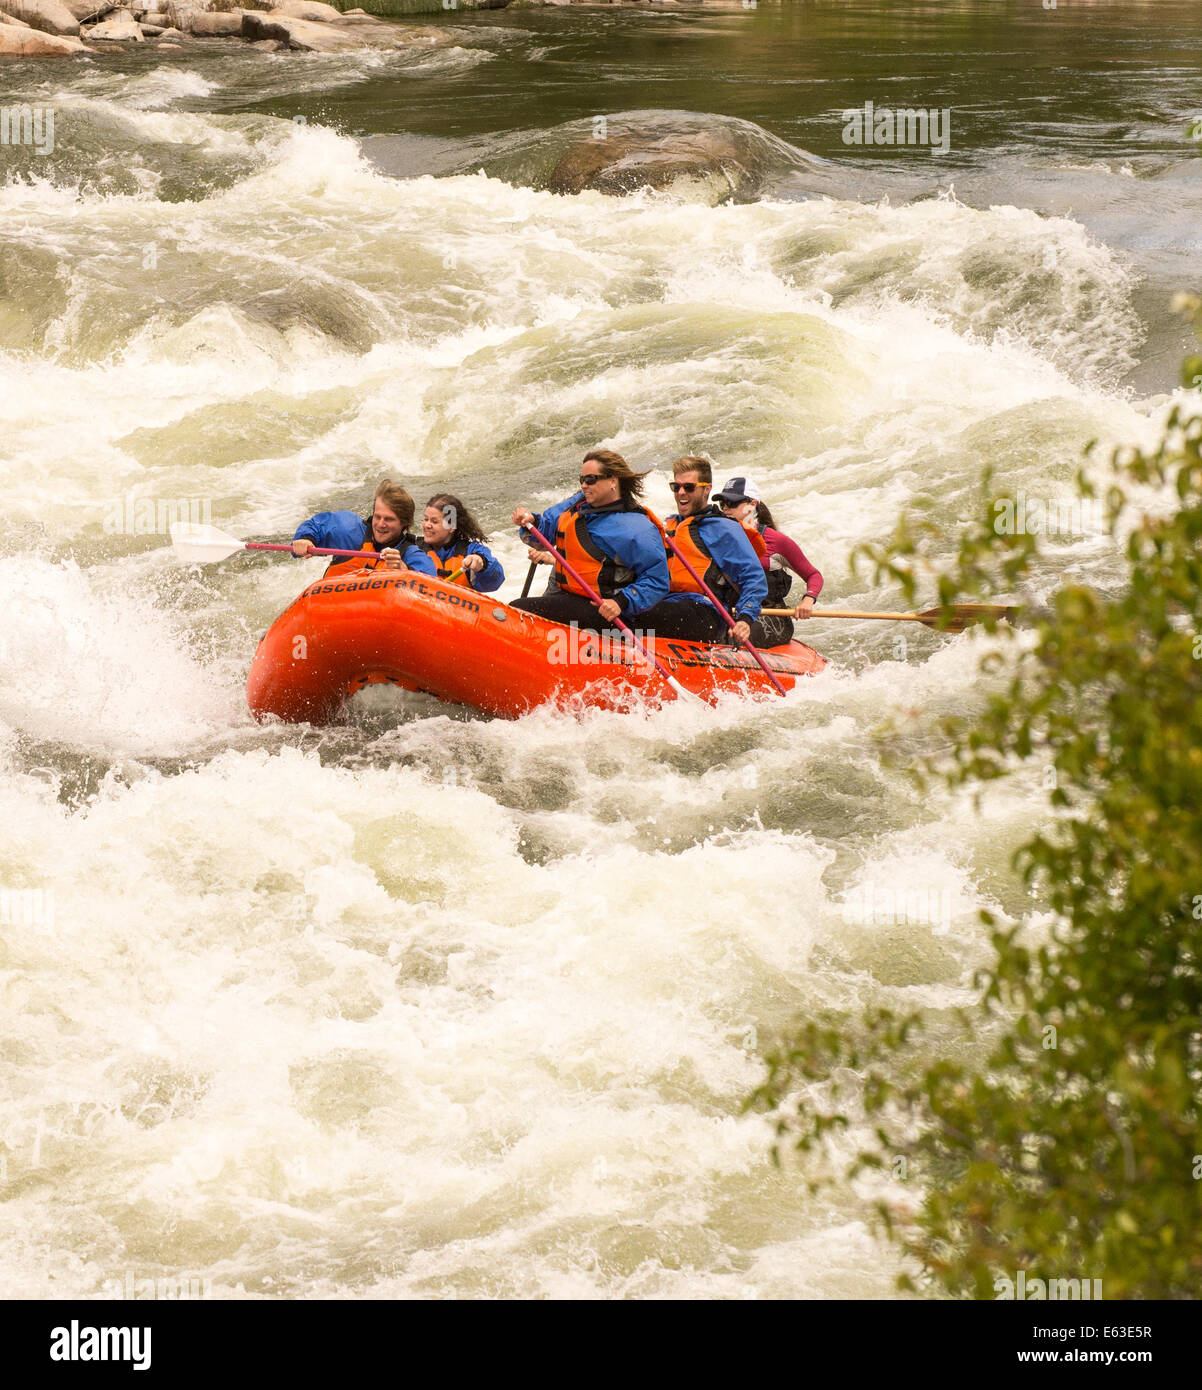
x: 740, y: 500
x: 720, y: 552
x: 609, y: 539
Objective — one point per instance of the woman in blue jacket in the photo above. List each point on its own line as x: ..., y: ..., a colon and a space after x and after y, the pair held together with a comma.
x: 454, y: 540
x: 609, y: 539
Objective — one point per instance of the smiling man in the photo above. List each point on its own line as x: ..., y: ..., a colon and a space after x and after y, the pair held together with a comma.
x: 385, y: 532
x: 719, y: 551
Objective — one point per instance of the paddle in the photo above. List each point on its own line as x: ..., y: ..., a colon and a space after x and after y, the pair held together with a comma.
x: 958, y: 615
x: 198, y: 545
x: 529, y: 579
x: 726, y: 618
x: 681, y: 692
x: 201, y: 545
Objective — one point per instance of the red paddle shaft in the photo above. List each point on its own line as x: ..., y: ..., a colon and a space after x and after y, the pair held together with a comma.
x: 317, y: 550
x: 596, y: 598
x: 730, y: 622
x: 367, y: 554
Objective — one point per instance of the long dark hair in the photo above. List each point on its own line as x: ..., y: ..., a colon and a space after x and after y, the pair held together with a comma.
x: 763, y: 517
x: 464, y: 526
x: 614, y: 465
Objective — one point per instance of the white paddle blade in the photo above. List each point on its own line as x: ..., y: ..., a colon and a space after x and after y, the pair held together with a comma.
x: 201, y: 545
x: 682, y: 694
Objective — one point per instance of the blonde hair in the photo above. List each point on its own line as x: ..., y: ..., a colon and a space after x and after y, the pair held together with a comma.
x: 397, y: 500
x: 693, y: 463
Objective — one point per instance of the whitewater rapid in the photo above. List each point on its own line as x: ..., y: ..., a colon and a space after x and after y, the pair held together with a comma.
x: 425, y: 1004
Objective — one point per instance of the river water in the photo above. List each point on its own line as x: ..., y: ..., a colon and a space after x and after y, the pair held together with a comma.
x: 426, y: 1004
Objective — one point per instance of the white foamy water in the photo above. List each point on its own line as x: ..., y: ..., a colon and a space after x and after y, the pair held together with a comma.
x: 426, y: 1004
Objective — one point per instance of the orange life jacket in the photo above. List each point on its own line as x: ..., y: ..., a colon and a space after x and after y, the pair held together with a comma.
x: 779, y: 581
x: 601, y: 571
x: 344, y: 566
x: 453, y: 562
x: 757, y: 543
x: 692, y: 547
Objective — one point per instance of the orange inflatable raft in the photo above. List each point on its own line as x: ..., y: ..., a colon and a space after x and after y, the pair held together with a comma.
x: 367, y: 627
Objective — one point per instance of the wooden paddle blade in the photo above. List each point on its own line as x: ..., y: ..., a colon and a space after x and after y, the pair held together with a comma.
x: 202, y: 545
x: 960, y: 615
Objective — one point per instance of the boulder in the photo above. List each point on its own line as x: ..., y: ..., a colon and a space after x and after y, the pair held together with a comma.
x: 267, y: 45
x: 312, y: 10
x: 422, y: 33
x: 117, y: 28
x: 18, y: 42
x: 706, y: 163
x: 181, y: 12
x: 172, y: 35
x: 301, y: 34
x: 152, y: 31
x: 207, y: 25
x: 89, y: 11
x: 50, y: 16
x: 8, y: 19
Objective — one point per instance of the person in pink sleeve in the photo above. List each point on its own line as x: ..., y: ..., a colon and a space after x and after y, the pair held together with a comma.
x: 740, y: 500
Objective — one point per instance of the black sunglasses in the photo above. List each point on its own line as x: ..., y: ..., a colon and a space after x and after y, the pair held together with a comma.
x: 684, y: 487
x: 586, y: 479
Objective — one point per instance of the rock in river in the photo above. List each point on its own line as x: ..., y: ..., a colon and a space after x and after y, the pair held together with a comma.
x: 120, y: 27
x: 705, y: 163
x: 17, y: 41
x: 51, y: 16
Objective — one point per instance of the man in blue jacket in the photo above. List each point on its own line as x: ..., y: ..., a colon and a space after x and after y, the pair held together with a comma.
x: 718, y: 550
x: 609, y: 540
x: 385, y: 533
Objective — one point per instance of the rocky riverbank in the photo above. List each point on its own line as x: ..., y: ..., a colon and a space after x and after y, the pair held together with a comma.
x: 62, y: 28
